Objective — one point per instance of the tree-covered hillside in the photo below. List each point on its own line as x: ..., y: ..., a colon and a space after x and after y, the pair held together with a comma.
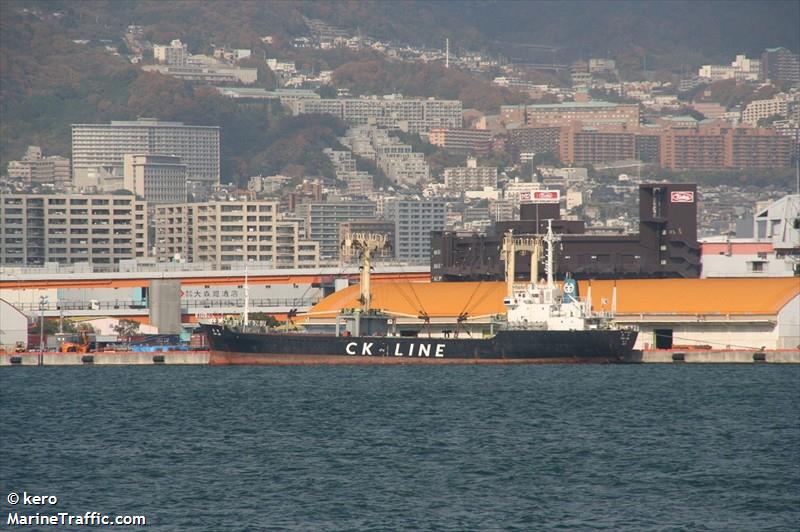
x: 48, y: 81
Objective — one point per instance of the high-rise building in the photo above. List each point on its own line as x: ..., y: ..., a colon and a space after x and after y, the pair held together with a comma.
x: 763, y: 148
x: 580, y: 145
x: 156, y: 178
x: 225, y: 232
x: 535, y: 139
x: 71, y: 228
x: 98, y: 150
x: 780, y: 65
x: 33, y: 168
x: 414, y: 221
x: 716, y: 147
x: 323, y: 219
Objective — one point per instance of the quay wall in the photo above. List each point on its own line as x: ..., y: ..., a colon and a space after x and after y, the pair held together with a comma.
x: 109, y: 358
x: 716, y: 356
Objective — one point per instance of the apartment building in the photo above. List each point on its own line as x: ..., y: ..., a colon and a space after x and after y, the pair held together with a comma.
x: 207, y: 74
x: 98, y: 150
x: 715, y: 148
x: 692, y: 148
x: 412, y: 115
x: 323, y: 220
x: 470, y: 177
x: 156, y: 178
x: 71, y: 228
x: 591, y: 113
x: 758, y: 109
x: 404, y: 168
x: 33, y: 168
x: 224, y: 232
x: 174, y: 53
x: 757, y: 148
x: 535, y: 139
x: 414, y: 221
x: 473, y: 140
x: 580, y: 145
x: 780, y: 65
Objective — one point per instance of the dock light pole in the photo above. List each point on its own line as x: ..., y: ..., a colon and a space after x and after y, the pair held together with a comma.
x: 42, y: 305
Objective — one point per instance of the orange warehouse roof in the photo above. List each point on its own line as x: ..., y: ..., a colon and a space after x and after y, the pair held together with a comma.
x: 634, y: 296
x: 439, y: 300
x: 731, y: 295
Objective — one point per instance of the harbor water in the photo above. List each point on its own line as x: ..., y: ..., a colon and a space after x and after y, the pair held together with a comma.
x: 573, y: 447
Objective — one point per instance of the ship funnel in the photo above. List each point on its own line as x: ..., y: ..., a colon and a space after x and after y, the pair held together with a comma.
x: 570, y: 290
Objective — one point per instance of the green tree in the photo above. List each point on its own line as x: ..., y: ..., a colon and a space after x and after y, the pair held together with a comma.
x: 125, y: 329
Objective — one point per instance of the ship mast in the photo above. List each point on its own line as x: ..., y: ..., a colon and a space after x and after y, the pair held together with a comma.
x: 550, y: 240
x: 510, y: 254
x: 246, y: 297
x: 366, y: 244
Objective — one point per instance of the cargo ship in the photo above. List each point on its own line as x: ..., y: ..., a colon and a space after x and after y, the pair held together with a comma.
x: 544, y: 323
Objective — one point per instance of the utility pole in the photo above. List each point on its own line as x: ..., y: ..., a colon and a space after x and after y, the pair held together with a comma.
x: 42, y: 305
x: 447, y: 52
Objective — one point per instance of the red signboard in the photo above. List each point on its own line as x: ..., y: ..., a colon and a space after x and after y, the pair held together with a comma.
x: 682, y: 196
x: 540, y: 196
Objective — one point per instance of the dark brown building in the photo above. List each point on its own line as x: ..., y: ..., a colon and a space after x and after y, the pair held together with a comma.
x: 534, y: 139
x: 666, y: 245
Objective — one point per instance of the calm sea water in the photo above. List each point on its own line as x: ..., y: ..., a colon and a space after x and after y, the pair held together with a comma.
x: 409, y: 448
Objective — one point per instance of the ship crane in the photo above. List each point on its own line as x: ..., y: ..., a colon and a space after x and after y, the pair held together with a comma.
x: 365, y: 244
x: 511, y: 245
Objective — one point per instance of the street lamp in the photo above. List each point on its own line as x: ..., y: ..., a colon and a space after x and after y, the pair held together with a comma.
x: 42, y: 305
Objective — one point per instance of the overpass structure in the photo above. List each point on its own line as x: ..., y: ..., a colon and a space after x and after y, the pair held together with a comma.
x: 43, y: 278
x: 75, y: 292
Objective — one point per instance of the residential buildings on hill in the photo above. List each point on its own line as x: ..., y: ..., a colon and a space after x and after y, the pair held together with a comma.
x: 34, y: 168
x: 407, y: 114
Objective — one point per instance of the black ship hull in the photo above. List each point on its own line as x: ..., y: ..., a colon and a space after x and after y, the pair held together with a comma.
x: 506, y: 347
